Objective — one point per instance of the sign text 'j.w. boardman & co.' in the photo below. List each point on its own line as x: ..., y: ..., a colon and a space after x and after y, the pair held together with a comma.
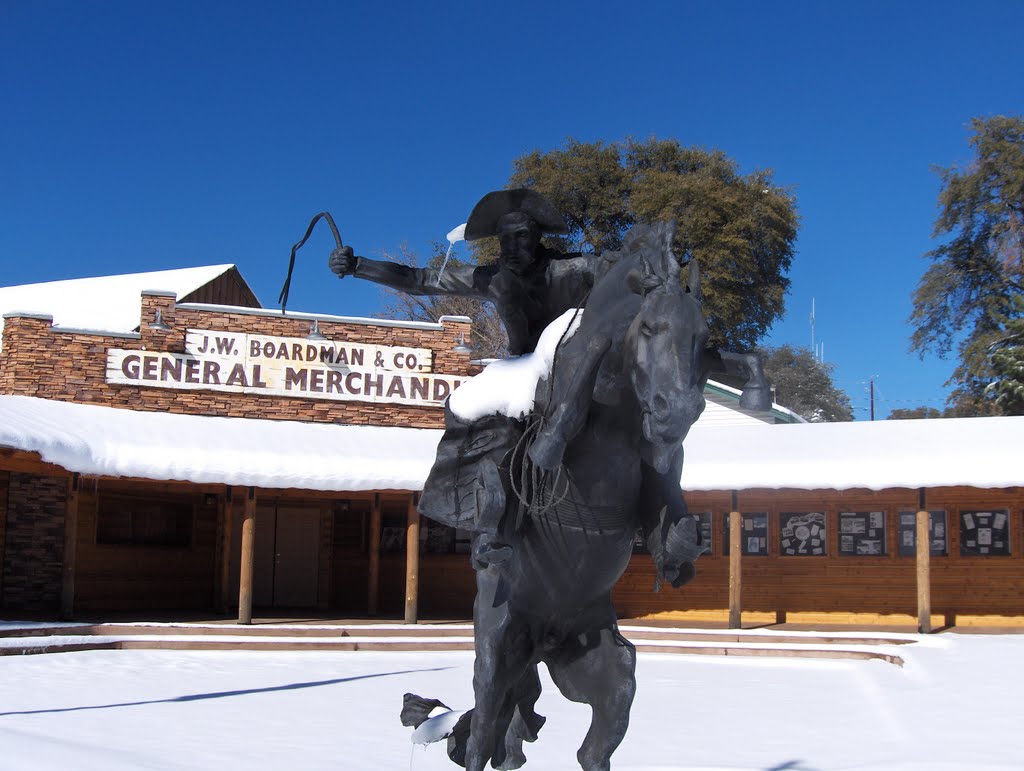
x: 287, y: 366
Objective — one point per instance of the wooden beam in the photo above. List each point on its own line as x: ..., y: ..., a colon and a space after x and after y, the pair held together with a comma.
x: 373, y: 590
x: 735, y: 564
x: 412, y: 562
x: 67, y: 586
x: 248, y: 558
x: 24, y: 462
x: 924, y: 557
x: 227, y: 506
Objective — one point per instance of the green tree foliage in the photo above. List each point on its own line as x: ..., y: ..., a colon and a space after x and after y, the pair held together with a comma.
x: 917, y: 413
x: 969, y: 296
x: 804, y: 385
x: 1007, y: 358
x: 740, y: 227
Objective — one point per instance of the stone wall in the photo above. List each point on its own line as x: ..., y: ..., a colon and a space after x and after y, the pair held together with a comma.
x: 38, y: 360
x: 34, y: 536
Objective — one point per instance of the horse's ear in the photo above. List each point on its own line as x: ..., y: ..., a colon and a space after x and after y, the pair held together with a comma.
x: 693, y: 279
x: 669, y: 267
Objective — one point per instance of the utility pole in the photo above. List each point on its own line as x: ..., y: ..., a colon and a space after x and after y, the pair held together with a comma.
x: 814, y: 348
x: 872, y: 398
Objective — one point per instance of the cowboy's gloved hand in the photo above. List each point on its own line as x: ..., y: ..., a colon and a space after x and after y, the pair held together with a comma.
x: 342, y: 261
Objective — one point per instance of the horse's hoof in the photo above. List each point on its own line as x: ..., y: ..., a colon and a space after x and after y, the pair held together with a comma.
x: 496, y: 555
x: 490, y: 554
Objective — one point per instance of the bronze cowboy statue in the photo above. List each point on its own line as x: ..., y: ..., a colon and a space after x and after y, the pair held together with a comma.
x: 530, y: 286
x: 555, y: 499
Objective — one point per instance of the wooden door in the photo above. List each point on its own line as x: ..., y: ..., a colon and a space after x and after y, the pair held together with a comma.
x: 296, y: 557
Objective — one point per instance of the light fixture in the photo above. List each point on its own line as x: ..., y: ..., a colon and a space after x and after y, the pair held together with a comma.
x: 460, y: 345
x: 158, y: 322
x: 314, y: 331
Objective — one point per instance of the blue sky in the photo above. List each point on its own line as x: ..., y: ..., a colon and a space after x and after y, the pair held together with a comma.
x: 144, y: 136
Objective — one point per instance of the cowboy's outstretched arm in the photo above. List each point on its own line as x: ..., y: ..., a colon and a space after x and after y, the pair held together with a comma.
x: 757, y: 391
x: 457, y: 279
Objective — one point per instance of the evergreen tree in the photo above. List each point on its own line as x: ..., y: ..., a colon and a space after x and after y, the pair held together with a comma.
x: 917, y: 413
x: 804, y: 385
x: 740, y: 227
x: 1007, y: 358
x: 969, y: 296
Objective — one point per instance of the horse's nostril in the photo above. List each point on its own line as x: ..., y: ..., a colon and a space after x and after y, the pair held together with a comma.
x: 660, y: 404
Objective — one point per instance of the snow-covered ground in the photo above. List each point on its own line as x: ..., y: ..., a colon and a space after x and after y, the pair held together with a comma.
x: 956, y: 704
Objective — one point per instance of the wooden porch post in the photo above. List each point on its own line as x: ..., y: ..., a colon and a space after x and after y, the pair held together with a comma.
x: 735, y: 564
x: 67, y: 587
x: 924, y: 557
x: 412, y: 562
x: 248, y: 555
x: 373, y: 590
x: 227, y: 505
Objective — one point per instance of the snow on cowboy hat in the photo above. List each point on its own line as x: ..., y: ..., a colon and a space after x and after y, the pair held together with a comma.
x: 483, y: 221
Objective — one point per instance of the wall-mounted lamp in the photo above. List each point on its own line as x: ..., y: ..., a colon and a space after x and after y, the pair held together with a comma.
x: 314, y: 331
x: 158, y: 322
x: 460, y: 345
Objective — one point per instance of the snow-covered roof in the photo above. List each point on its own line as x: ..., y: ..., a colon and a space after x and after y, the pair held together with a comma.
x: 105, y: 441
x: 723, y: 407
x: 977, y: 452
x: 89, y: 439
x: 104, y: 303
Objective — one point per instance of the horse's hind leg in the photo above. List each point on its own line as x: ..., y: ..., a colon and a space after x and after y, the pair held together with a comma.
x: 603, y: 677
x: 525, y: 722
x: 503, y: 653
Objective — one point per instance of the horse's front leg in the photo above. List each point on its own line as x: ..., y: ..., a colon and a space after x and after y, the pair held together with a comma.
x: 672, y: 535
x: 503, y: 653
x: 572, y: 390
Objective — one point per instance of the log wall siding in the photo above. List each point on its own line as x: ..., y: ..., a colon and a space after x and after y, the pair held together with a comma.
x: 38, y: 360
x: 141, y: 577
x: 839, y: 584
x: 227, y: 289
x: 33, y: 557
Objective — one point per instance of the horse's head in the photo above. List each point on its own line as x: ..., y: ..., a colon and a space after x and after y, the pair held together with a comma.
x: 664, y: 346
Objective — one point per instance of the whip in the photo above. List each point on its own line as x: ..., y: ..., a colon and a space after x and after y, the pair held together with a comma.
x: 283, y: 297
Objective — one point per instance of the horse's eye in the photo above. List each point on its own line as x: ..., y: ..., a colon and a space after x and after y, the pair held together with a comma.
x: 645, y: 329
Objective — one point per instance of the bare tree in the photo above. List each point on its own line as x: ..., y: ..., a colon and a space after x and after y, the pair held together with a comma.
x: 488, y: 339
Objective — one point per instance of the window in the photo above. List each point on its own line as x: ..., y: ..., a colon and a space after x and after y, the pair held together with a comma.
x: 936, y: 533
x: 394, y: 523
x: 440, y: 537
x: 144, y: 521
x: 862, y: 534
x: 753, y: 535
x: 802, y: 534
x: 703, y: 526
x: 985, y: 533
x: 351, y: 525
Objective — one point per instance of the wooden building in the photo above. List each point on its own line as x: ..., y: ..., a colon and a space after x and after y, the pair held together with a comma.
x: 168, y: 445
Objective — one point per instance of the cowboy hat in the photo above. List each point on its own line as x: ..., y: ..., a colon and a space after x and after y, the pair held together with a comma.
x: 483, y: 221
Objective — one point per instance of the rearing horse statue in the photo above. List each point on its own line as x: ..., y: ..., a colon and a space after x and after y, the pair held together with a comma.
x: 630, y: 387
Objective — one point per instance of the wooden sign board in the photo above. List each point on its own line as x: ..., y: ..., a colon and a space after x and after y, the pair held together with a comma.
x: 287, y: 366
